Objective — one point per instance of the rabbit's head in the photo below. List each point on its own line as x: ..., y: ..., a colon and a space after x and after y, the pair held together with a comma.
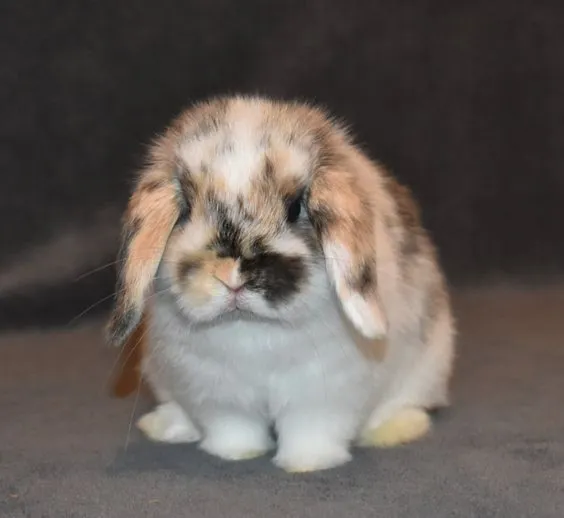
x: 252, y: 208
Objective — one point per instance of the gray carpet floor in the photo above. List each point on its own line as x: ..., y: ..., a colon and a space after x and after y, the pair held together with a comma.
x: 66, y: 449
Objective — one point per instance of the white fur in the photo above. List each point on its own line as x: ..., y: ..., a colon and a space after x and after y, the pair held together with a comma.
x: 168, y: 423
x: 229, y: 155
x: 289, y: 244
x: 235, y: 377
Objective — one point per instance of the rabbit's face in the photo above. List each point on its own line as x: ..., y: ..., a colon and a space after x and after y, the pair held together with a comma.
x: 246, y: 244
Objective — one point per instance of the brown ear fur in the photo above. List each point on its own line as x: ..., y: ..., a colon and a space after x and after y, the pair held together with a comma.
x: 128, y: 377
x: 342, y: 207
x: 151, y: 215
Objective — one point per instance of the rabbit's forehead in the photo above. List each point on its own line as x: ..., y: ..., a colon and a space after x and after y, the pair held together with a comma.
x: 247, y: 154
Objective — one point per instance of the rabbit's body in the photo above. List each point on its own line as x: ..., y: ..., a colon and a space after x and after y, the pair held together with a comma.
x: 317, y: 379
x: 236, y: 378
x: 333, y: 327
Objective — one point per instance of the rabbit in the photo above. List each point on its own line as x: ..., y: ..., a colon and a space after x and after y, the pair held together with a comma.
x: 293, y: 299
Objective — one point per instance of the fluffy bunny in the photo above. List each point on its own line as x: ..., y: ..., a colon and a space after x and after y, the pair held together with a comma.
x: 287, y: 282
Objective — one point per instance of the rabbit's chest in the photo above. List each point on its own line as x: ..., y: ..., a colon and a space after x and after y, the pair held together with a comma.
x: 243, y: 366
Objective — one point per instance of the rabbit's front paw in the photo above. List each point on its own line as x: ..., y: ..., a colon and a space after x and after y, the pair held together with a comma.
x: 234, y: 438
x: 168, y: 423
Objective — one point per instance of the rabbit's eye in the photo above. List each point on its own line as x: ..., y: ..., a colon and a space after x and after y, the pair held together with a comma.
x: 294, y: 209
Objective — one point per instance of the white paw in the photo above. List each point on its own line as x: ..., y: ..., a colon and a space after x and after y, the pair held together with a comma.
x: 168, y: 423
x: 235, y: 440
x: 318, y: 457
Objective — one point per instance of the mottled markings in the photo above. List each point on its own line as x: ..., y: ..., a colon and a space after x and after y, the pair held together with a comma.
x: 277, y: 277
x: 321, y: 217
x: 268, y: 168
x: 293, y: 207
x: 243, y: 210
x: 186, y: 198
x: 241, y: 204
x: 409, y: 218
x: 366, y: 281
x: 151, y: 185
x: 257, y: 246
x: 184, y: 215
x: 211, y: 118
x: 228, y: 240
x: 187, y: 266
x: 305, y: 231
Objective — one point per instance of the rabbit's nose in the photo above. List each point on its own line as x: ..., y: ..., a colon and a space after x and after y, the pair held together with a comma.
x: 229, y: 275
x: 235, y: 287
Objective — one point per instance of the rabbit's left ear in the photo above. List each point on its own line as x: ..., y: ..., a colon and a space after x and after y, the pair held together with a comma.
x: 341, y: 208
x: 152, y: 212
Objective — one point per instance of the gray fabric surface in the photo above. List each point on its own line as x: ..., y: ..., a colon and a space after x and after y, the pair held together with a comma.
x: 499, y: 452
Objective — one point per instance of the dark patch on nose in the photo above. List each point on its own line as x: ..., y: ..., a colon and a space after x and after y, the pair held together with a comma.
x: 277, y: 277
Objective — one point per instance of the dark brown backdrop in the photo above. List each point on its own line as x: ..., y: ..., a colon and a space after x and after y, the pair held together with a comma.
x: 462, y: 100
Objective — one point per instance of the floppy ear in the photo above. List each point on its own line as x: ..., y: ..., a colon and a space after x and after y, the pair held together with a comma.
x: 341, y: 208
x: 150, y: 217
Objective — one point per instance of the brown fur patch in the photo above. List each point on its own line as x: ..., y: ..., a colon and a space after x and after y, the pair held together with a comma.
x: 157, y: 212
x: 128, y: 377
x: 347, y: 218
x: 152, y: 213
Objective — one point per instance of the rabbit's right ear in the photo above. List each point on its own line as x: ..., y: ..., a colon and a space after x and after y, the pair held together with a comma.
x: 152, y: 213
x: 342, y: 206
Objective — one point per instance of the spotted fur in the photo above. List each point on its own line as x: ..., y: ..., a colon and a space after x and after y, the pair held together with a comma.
x: 256, y: 236
x: 262, y: 154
